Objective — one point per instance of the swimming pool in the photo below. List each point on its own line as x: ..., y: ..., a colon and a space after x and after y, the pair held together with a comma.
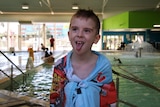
x: 38, y: 83
x: 145, y: 68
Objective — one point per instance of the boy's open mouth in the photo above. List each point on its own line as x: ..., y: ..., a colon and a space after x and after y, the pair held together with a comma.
x: 79, y: 45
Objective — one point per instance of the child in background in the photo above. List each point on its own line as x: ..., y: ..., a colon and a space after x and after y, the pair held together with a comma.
x: 46, y: 53
x: 48, y: 57
x: 52, y: 43
x: 83, y: 78
x: 31, y: 52
x: 43, y: 47
x: 30, y: 59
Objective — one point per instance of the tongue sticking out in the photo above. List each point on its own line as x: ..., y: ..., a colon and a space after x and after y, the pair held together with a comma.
x: 79, y: 46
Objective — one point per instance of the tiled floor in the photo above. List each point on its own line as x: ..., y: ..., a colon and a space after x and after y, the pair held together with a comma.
x: 10, y: 99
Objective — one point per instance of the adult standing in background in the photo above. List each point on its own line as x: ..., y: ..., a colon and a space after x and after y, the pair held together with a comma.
x: 52, y: 43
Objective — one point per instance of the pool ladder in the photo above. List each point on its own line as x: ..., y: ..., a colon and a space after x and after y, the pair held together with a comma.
x: 11, y: 76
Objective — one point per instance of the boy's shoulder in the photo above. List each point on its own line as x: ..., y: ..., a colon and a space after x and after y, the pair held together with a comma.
x: 61, y: 61
x: 100, y: 55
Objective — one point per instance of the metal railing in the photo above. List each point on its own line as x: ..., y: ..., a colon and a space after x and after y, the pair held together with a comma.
x: 136, y: 80
x: 11, y: 76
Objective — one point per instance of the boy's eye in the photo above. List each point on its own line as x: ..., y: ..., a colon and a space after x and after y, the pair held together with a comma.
x: 73, y: 28
x: 87, y: 30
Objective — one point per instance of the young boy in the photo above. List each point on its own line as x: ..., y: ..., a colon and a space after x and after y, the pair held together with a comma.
x: 83, y: 78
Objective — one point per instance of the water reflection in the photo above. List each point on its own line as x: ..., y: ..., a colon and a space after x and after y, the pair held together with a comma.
x: 38, y: 84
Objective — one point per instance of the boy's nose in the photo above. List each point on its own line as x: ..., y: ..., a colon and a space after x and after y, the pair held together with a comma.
x: 80, y: 34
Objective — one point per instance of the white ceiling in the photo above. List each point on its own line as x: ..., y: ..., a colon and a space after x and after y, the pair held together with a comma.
x: 109, y: 7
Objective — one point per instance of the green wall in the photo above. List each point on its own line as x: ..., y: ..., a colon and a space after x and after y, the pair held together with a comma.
x: 120, y: 21
x: 133, y: 19
x: 143, y: 19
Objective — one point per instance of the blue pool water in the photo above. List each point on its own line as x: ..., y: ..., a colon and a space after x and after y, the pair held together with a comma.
x: 145, y: 68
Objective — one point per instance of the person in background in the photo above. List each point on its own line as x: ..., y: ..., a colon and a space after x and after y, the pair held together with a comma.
x: 122, y: 45
x: 48, y: 57
x: 52, y: 40
x: 31, y: 52
x: 47, y: 54
x: 43, y: 47
x: 83, y: 78
x: 30, y: 59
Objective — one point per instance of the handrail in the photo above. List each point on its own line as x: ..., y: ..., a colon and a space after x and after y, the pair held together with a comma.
x: 7, y: 75
x: 119, y: 100
x: 136, y: 80
x: 12, y: 62
x: 132, y: 79
x: 129, y: 104
x: 15, y: 66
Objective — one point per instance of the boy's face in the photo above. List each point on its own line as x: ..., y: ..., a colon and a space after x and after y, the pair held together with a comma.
x: 82, y: 34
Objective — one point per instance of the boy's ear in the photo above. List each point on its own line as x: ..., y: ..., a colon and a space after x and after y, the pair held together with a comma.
x: 97, y: 39
x: 68, y: 35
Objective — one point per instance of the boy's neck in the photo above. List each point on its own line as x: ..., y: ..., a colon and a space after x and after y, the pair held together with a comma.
x: 83, y: 58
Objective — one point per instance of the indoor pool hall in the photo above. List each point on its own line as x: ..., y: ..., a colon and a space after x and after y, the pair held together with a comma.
x: 36, y: 34
x: 137, y: 79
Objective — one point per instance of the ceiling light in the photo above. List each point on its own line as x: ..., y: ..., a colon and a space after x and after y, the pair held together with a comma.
x: 52, y: 12
x: 25, y: 7
x: 158, y: 5
x: 25, y: 22
x: 1, y: 12
x: 75, y: 7
x: 156, y: 25
x: 40, y: 3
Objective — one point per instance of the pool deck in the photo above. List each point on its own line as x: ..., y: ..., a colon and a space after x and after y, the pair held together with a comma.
x: 8, y: 98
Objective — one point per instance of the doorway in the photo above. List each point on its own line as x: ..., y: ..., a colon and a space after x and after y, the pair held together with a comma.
x: 112, y: 42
